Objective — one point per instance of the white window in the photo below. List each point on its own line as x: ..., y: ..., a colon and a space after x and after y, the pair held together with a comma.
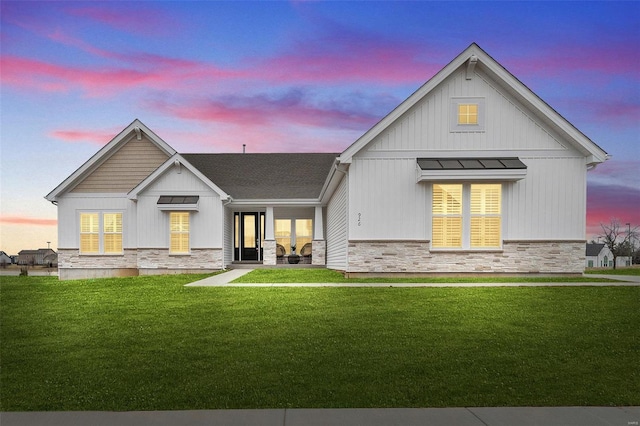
x: 466, y: 216
x: 100, y: 233
x: 291, y: 233
x: 179, y: 232
x: 467, y: 114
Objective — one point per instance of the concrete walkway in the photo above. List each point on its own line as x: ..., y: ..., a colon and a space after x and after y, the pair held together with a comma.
x: 225, y: 279
x: 478, y: 416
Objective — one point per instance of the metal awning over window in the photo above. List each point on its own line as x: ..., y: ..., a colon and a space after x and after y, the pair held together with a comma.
x: 457, y: 169
x: 178, y: 202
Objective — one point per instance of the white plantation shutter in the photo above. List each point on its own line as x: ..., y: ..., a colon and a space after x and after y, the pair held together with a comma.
x: 447, y: 216
x: 112, y: 229
x: 486, y: 215
x: 89, y: 233
x: 179, y: 230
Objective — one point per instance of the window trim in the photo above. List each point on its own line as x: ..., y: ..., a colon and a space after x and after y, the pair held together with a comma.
x: 466, y: 219
x: 101, y: 232
x: 455, y: 126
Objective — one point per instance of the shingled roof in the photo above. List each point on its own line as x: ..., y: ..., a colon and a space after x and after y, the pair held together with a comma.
x: 594, y: 249
x: 266, y: 176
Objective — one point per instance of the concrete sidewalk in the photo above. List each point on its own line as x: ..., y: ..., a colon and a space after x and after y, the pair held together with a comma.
x: 225, y: 279
x: 478, y: 416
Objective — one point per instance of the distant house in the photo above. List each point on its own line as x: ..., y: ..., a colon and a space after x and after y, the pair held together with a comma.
x: 36, y: 257
x: 473, y: 173
x: 598, y: 255
x: 5, y: 259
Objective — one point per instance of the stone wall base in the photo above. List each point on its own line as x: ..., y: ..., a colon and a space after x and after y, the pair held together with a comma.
x: 89, y: 273
x: 209, y: 259
x: 515, y: 257
x: 269, y: 252
x: 72, y: 265
x: 318, y: 252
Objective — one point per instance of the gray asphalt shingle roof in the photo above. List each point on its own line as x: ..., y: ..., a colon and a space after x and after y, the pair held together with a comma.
x: 593, y: 249
x: 266, y: 176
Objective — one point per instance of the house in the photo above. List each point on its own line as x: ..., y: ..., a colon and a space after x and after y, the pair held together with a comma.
x: 5, y: 259
x: 473, y: 173
x: 35, y: 257
x: 598, y: 255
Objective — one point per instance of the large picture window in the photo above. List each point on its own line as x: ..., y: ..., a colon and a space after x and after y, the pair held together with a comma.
x: 466, y: 216
x: 290, y: 232
x: 100, y: 233
x: 179, y: 232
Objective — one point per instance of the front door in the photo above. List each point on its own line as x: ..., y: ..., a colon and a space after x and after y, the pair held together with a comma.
x: 249, y: 234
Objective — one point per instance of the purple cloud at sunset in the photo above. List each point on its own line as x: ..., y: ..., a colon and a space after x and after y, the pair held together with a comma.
x: 14, y: 220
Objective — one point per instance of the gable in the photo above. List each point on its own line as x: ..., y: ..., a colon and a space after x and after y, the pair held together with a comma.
x: 125, y: 168
x: 470, y: 65
x: 508, y: 125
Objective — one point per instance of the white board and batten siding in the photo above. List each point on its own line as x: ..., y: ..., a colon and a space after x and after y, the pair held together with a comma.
x: 71, y: 205
x: 386, y: 202
x: 337, y: 229
x: 153, y: 223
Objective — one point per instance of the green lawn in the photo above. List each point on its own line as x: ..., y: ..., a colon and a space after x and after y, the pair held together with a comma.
x: 610, y: 271
x: 149, y: 343
x: 286, y: 275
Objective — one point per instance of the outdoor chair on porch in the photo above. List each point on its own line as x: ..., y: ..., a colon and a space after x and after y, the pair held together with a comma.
x: 305, y: 253
x: 280, y: 252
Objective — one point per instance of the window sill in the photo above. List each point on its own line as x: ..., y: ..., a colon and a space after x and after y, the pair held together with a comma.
x: 102, y: 254
x: 179, y: 254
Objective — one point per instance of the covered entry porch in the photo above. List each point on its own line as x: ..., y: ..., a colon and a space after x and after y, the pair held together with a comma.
x: 279, y: 235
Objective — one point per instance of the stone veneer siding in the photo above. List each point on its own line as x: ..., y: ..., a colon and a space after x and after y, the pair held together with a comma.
x: 203, y: 259
x: 71, y: 265
x: 318, y: 252
x: 269, y: 252
x: 515, y: 257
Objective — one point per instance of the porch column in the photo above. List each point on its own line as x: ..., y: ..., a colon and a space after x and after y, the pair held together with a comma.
x: 269, y: 244
x: 318, y: 225
x: 268, y: 224
x: 319, y: 245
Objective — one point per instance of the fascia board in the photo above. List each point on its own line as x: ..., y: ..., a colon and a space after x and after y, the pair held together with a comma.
x: 297, y: 202
x: 338, y: 170
x: 176, y: 158
x: 424, y: 90
x: 104, y: 153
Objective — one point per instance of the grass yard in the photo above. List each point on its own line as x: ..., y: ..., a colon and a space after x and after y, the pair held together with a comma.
x: 286, y: 275
x: 618, y: 271
x: 149, y: 343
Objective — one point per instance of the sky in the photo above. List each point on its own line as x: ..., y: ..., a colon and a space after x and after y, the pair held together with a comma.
x: 298, y: 76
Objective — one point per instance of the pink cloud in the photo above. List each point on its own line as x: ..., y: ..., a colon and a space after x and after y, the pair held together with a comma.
x: 146, y: 21
x: 79, y: 136
x: 231, y: 137
x: 346, y: 56
x: 152, y: 72
x: 19, y: 220
x: 571, y: 58
x: 605, y: 202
